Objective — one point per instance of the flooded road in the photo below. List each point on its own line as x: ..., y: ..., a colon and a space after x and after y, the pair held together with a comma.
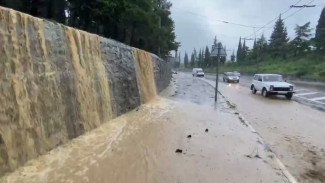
x: 295, y: 132
x: 180, y: 137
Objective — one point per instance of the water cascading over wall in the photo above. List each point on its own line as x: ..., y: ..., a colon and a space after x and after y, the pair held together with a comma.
x: 56, y: 83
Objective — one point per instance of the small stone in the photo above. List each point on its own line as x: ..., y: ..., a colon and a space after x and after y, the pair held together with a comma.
x: 189, y: 136
x: 206, y: 130
x: 179, y: 151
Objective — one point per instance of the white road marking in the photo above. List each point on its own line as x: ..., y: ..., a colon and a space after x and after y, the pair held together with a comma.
x: 319, y: 98
x: 310, y: 93
x: 311, y: 100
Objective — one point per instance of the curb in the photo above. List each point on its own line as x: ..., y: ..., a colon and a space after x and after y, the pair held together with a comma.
x: 278, y: 162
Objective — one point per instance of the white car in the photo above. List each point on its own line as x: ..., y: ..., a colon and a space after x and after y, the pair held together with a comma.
x: 271, y: 84
x: 198, y: 72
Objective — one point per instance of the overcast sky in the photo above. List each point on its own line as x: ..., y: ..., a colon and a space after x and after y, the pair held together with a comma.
x: 197, y: 21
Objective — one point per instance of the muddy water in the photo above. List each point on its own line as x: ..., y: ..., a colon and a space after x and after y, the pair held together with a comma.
x: 54, y: 86
x: 24, y: 71
x: 145, y: 75
x: 92, y: 89
x: 140, y: 146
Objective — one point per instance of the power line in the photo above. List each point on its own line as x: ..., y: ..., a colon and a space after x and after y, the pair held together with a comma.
x: 218, y: 20
x: 272, y: 20
x: 291, y: 15
x: 298, y: 10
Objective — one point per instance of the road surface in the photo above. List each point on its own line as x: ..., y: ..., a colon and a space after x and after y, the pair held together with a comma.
x: 294, y: 131
x: 182, y: 138
x: 308, y: 93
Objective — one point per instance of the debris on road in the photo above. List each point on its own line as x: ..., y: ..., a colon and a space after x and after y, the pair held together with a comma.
x: 254, y: 154
x: 206, y: 130
x: 179, y: 151
x: 189, y: 136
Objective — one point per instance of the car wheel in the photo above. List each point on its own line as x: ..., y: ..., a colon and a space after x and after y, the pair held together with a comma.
x: 289, y: 96
x: 264, y: 93
x: 253, y: 89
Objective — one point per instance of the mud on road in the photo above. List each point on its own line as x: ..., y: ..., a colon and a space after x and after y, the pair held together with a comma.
x: 295, y: 132
x: 181, y: 138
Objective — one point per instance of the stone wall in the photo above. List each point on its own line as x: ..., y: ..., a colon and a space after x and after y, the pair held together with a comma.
x: 56, y: 83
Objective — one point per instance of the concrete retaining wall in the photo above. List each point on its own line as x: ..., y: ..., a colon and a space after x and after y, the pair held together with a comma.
x: 56, y: 83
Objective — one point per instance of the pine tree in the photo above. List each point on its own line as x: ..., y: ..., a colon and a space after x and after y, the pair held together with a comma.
x: 192, y: 60
x: 215, y: 41
x: 253, y: 54
x: 239, y: 51
x: 200, y: 59
x: 261, y: 46
x: 301, y: 41
x: 244, y: 51
x: 195, y: 57
x: 233, y: 57
x: 179, y: 60
x: 207, y: 57
x: 186, y: 60
x: 279, y: 39
x: 320, y: 32
x: 223, y: 59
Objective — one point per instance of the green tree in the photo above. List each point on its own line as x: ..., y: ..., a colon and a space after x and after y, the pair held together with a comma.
x: 199, y: 62
x: 145, y: 24
x: 192, y: 60
x: 301, y: 42
x: 233, y: 57
x: 240, y: 51
x: 279, y: 39
x: 186, y: 64
x: 244, y: 51
x: 320, y: 32
x: 261, y: 48
x: 207, y: 59
x: 215, y: 41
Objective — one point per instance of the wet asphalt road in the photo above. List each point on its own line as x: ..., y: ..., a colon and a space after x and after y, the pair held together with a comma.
x: 308, y: 93
x: 294, y: 130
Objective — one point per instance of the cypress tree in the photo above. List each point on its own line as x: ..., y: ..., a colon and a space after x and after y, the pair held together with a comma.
x: 239, y: 51
x: 207, y: 57
x: 186, y: 60
x: 233, y: 57
x: 320, y: 32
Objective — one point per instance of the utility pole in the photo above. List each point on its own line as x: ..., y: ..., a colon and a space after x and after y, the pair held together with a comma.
x: 217, y: 74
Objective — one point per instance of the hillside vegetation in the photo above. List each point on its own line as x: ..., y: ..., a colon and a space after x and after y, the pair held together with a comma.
x: 310, y: 67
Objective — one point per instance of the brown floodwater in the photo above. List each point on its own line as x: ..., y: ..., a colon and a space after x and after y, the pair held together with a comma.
x: 139, y: 147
